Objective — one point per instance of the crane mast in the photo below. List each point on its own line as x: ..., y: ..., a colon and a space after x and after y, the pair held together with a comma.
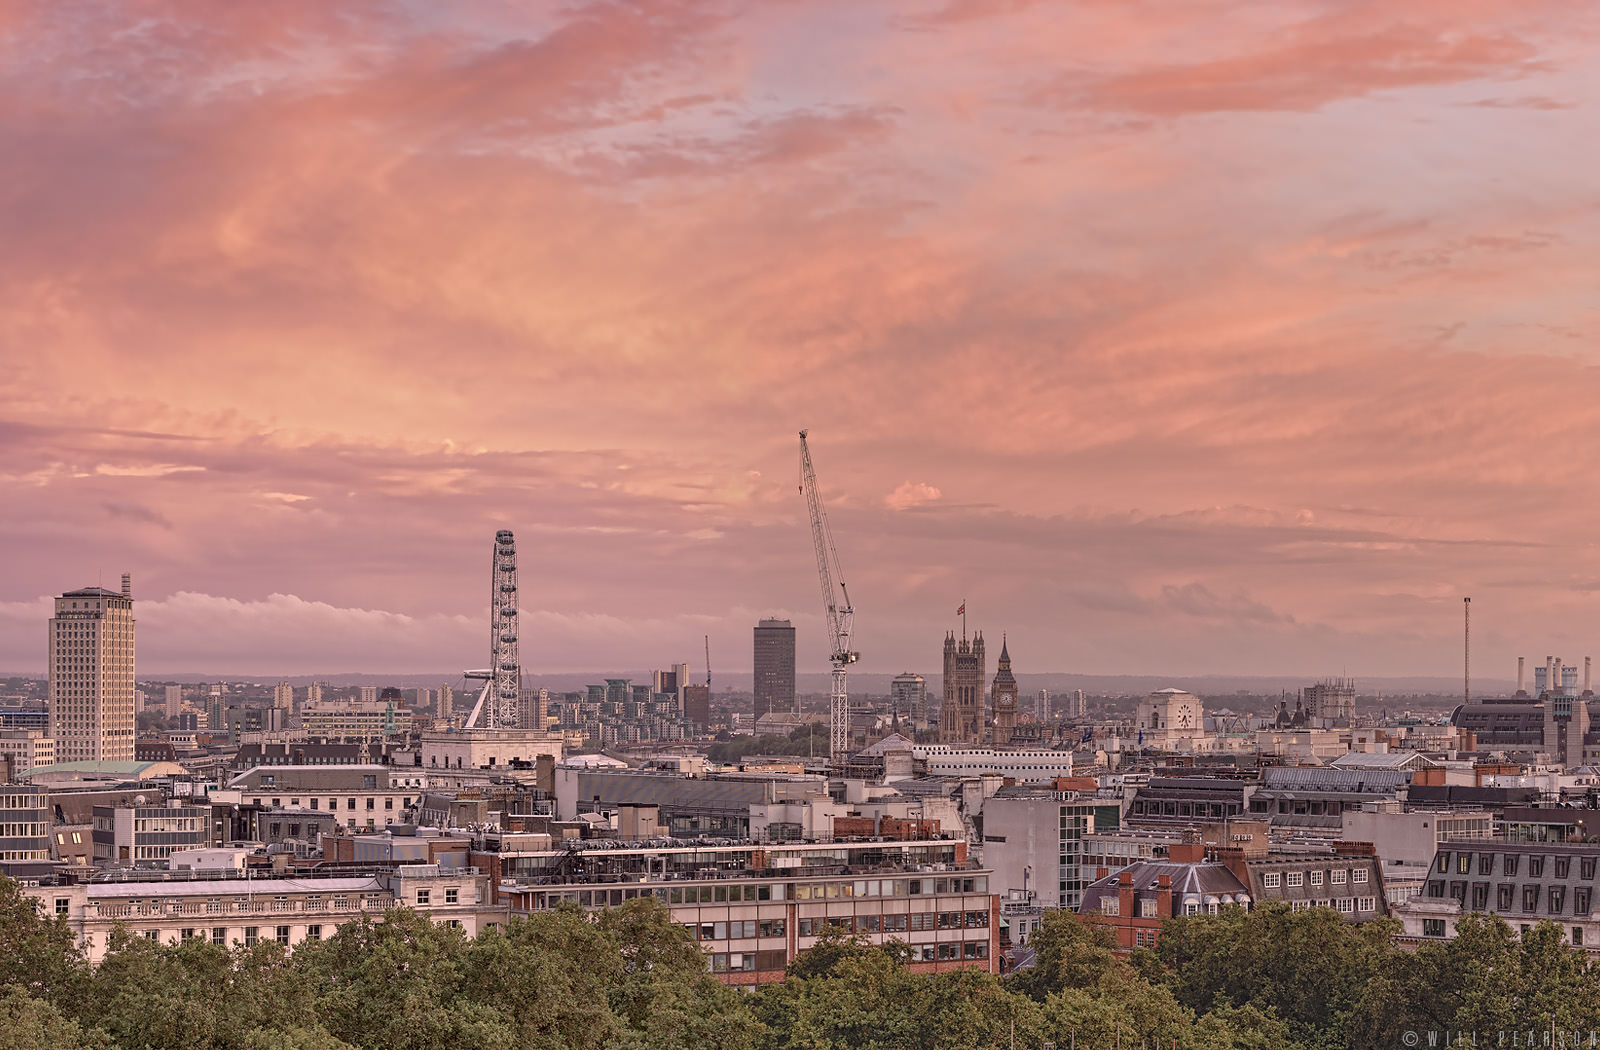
x: 836, y: 608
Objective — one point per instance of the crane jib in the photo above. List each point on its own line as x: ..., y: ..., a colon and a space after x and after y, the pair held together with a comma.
x: 839, y: 615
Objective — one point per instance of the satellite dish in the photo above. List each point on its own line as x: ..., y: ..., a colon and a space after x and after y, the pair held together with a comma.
x: 138, y: 800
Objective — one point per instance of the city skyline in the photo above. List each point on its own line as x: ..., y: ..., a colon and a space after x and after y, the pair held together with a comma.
x: 1235, y: 339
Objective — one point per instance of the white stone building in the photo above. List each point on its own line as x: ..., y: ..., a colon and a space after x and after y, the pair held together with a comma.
x: 287, y: 909
x: 1171, y: 720
x: 91, y: 675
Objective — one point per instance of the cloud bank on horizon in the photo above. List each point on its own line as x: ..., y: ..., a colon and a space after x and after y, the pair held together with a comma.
x: 1215, y: 337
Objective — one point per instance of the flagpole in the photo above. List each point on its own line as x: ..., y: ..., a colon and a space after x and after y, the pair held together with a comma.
x: 963, y: 619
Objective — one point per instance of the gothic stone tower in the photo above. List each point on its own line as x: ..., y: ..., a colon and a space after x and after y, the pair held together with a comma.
x: 961, y: 718
x: 1004, y: 695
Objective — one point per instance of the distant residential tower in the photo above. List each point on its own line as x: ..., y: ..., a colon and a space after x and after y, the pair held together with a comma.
x: 909, y: 695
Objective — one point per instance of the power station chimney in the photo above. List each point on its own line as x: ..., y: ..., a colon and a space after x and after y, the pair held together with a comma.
x: 1555, y: 683
x: 127, y: 585
x: 1549, y: 675
x: 1522, y: 680
x: 1587, y: 691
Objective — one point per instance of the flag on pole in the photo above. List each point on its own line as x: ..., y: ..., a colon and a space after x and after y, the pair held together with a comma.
x: 963, y: 610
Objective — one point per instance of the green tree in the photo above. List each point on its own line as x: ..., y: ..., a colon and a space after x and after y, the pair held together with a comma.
x: 550, y: 975
x: 869, y: 1000
x: 663, y: 992
x: 38, y: 953
x: 393, y: 985
x: 27, y: 1023
x: 1310, y: 967
x: 835, y: 946
x: 1069, y: 952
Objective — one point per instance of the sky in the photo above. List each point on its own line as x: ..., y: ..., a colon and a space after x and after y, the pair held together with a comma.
x: 1180, y: 337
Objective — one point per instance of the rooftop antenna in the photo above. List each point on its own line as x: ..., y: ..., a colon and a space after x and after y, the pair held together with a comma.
x: 1466, y: 653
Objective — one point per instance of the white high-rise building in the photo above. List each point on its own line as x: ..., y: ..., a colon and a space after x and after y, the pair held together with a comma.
x: 314, y: 693
x: 283, y: 696
x: 444, y: 703
x: 174, y: 701
x: 369, y: 694
x: 91, y: 675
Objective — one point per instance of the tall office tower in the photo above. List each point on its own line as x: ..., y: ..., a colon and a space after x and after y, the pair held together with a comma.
x: 369, y: 694
x: 664, y: 682
x: 421, y: 700
x: 314, y: 693
x: 1080, y: 704
x: 1041, y: 706
x: 139, y: 700
x: 680, y: 675
x: 445, y: 703
x: 961, y: 717
x: 908, y: 694
x: 774, y: 677
x: 174, y: 700
x: 91, y: 675
x: 697, y: 704
x: 283, y: 696
x: 1004, y: 696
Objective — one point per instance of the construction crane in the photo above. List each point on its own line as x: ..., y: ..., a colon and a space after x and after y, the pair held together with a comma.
x: 708, y: 668
x: 836, y: 607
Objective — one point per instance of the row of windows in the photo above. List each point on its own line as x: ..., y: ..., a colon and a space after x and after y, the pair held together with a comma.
x: 748, y: 962
x: 1271, y: 880
x: 734, y: 931
x: 1510, y: 862
x: 451, y: 896
x: 333, y: 803
x: 915, y: 922
x: 24, y: 830
x: 1156, y: 808
x: 811, y: 891
x: 1346, y: 905
x: 1555, y: 897
x: 950, y: 951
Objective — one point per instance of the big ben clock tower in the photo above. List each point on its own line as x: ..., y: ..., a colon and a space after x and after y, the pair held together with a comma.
x: 1004, y: 692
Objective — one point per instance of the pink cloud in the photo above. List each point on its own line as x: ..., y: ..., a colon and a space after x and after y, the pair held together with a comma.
x: 314, y: 299
x: 911, y: 494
